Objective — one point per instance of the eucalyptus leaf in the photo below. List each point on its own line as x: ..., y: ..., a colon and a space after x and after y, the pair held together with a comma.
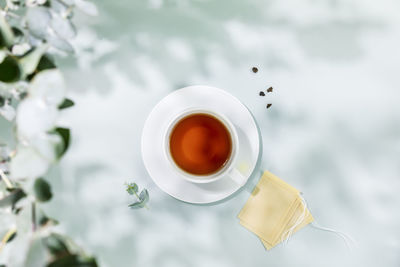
x: 30, y: 61
x: 27, y: 163
x: 20, y: 49
x: 60, y: 43
x: 34, y: 41
x: 34, y: 118
x: 65, y: 135
x: 62, y: 27
x: 66, y: 104
x: 87, y: 7
x: 38, y: 20
x: 46, y: 62
x: 10, y: 70
x: 7, y: 111
x: 144, y: 196
x: 59, y: 6
x: 3, y: 54
x: 6, y: 33
x: 56, y: 244
x: 18, y: 33
x: 73, y: 260
x: 137, y: 205
x: 143, y: 199
x: 46, y: 145
x: 12, y: 198
x: 48, y: 85
x: 13, y: 235
x: 42, y: 190
x: 132, y: 188
x: 37, y: 253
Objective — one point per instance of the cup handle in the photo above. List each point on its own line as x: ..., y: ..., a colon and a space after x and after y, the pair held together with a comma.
x: 237, y: 177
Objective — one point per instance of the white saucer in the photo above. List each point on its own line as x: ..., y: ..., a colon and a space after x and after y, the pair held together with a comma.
x: 153, y: 136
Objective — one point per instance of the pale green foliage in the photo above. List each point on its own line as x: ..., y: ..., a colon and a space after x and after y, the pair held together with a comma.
x: 32, y: 95
x: 142, y: 198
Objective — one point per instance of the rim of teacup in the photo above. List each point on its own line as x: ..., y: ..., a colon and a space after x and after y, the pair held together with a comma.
x: 228, y: 165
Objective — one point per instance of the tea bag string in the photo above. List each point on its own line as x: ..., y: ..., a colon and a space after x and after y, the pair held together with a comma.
x: 349, y: 241
x: 288, y: 233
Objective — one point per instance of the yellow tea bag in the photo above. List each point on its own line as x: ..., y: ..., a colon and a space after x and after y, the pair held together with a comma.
x: 301, y: 217
x: 274, y: 211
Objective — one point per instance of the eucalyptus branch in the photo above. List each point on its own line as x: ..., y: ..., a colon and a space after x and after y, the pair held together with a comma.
x: 142, y: 198
x: 33, y: 210
x: 28, y: 75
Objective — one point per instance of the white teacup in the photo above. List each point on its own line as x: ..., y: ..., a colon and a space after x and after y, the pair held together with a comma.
x: 227, y: 170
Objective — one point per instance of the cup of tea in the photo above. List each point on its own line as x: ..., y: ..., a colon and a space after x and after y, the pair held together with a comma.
x: 202, y: 146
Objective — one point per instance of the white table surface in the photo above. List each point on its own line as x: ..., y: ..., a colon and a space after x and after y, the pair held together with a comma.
x: 333, y: 130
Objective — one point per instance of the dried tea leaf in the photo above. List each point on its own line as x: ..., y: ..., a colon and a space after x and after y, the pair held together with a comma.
x: 269, y: 105
x: 254, y: 69
x: 262, y: 93
x: 269, y: 90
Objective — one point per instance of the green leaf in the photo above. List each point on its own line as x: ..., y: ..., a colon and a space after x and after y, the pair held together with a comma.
x: 17, y: 32
x: 30, y: 61
x: 12, y: 237
x: 3, y: 54
x: 12, y: 198
x: 42, y: 190
x: 56, y: 244
x: 132, y: 188
x: 2, y: 101
x: 144, y: 196
x: 73, y: 260
x: 16, y: 210
x: 137, y: 205
x: 6, y: 34
x: 65, y: 136
x: 46, y: 62
x: 44, y: 220
x: 66, y: 104
x: 143, y: 199
x: 10, y: 70
x: 36, y: 254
